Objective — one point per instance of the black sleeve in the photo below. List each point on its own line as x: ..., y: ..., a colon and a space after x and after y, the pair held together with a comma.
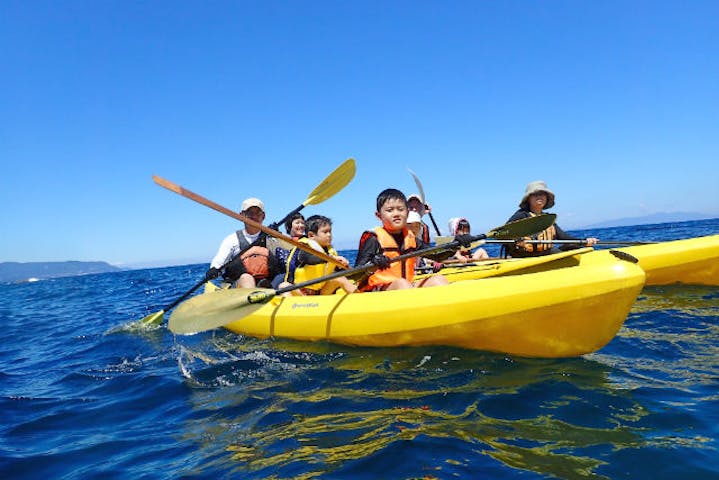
x: 234, y: 269
x: 306, y: 258
x: 436, y: 256
x: 562, y: 235
x: 274, y: 265
x: 369, y: 249
x: 518, y: 215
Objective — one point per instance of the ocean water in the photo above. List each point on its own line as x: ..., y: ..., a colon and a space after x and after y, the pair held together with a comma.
x: 83, y: 396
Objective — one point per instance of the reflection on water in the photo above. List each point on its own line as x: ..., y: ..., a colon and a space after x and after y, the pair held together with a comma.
x: 78, y: 402
x: 321, y: 409
x: 288, y: 409
x: 687, y: 299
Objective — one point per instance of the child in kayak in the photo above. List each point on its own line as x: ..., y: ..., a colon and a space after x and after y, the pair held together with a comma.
x: 460, y: 226
x: 303, y: 266
x: 537, y: 197
x: 389, y: 241
x: 295, y: 227
x: 415, y: 204
x: 414, y: 224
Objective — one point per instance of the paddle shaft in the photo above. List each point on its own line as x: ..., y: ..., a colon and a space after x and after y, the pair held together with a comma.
x: 572, y: 242
x: 273, y: 233
x: 436, y: 229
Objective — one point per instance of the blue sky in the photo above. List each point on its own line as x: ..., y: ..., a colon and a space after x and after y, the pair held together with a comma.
x: 615, y: 104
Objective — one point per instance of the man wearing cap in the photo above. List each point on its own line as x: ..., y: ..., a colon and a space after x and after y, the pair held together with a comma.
x: 537, y: 197
x: 244, y: 255
x: 415, y: 204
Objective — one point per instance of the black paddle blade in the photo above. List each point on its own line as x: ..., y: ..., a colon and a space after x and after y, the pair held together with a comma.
x: 523, y: 227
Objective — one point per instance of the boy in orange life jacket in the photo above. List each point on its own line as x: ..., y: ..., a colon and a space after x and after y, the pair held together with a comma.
x: 257, y: 266
x: 391, y: 240
x: 536, y: 198
x: 303, y: 266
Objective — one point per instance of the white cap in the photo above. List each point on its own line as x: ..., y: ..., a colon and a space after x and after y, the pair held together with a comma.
x: 413, y: 217
x: 252, y: 202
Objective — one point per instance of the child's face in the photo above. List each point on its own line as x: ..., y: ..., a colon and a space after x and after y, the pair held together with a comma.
x: 393, y: 215
x: 323, y: 235
x: 415, y: 205
x: 298, y: 227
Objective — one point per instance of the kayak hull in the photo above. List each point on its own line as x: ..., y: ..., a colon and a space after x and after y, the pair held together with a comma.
x: 690, y: 261
x: 564, y: 312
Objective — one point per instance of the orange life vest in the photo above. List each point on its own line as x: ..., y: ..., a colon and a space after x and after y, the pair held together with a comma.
x: 403, y: 269
x: 256, y: 262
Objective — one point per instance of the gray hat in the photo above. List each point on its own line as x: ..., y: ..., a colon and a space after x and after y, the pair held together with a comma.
x: 534, y: 187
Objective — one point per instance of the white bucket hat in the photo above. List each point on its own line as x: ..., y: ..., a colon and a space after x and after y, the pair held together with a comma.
x: 413, y: 217
x: 534, y: 187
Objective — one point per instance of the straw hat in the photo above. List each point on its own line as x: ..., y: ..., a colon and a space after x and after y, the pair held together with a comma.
x: 535, y: 187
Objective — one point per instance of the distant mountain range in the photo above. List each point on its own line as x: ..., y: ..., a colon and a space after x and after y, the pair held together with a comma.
x: 13, y: 272
x: 664, y: 217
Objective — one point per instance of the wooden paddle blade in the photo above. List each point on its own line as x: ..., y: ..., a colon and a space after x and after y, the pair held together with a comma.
x: 215, y: 309
x: 523, y: 227
x: 336, y: 181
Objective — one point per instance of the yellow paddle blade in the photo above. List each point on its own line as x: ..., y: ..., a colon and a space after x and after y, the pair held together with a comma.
x: 153, y: 318
x: 215, y: 309
x: 335, y: 182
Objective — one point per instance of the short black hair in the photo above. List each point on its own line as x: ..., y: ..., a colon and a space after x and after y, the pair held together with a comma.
x: 390, y: 194
x: 314, y: 223
x: 293, y: 217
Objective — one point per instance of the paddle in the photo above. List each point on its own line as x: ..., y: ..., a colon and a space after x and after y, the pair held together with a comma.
x: 444, y: 239
x: 422, y: 198
x: 206, y: 312
x: 334, y: 182
x: 312, y: 200
x: 575, y: 242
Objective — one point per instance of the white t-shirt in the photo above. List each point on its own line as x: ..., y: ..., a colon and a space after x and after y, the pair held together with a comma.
x: 230, y: 247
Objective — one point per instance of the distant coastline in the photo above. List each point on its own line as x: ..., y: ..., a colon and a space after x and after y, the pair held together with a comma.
x: 18, y: 272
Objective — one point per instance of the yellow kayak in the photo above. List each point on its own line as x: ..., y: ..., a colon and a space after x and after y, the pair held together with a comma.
x: 562, y: 312
x: 689, y: 261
